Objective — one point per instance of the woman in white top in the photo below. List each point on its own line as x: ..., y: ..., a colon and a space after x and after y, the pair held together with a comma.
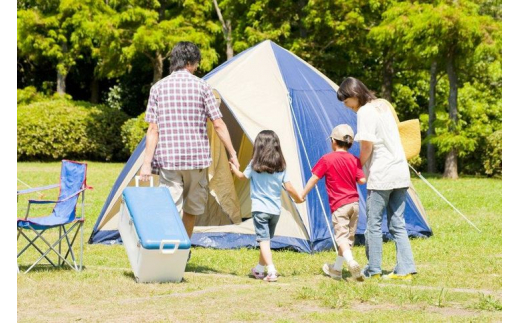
x: 388, y: 178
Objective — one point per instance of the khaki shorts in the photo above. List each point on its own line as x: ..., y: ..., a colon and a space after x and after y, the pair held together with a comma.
x: 345, y: 220
x: 189, y: 188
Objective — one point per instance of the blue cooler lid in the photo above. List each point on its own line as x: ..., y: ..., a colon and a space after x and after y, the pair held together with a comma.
x: 155, y: 217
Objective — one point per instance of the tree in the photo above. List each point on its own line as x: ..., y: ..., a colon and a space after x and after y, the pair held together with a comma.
x: 152, y: 28
x: 227, y: 30
x: 464, y: 31
x: 438, y: 36
x: 57, y: 31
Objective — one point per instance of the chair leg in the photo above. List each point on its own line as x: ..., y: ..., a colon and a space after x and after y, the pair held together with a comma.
x: 81, y: 248
x: 59, y: 250
x: 70, y: 243
x: 31, y: 243
x: 52, y: 248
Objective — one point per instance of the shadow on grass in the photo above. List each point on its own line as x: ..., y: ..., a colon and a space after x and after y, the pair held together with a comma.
x: 45, y: 268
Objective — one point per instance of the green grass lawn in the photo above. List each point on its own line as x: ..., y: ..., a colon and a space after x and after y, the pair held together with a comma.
x: 459, y: 271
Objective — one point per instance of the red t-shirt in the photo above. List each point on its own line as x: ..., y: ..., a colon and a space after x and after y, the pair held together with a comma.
x: 341, y: 170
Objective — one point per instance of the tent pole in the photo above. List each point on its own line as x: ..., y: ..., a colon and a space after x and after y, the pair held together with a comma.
x: 310, y: 167
x: 438, y: 193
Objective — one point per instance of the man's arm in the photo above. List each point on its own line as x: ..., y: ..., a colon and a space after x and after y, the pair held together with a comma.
x: 365, y: 151
x: 152, y: 137
x: 223, y: 134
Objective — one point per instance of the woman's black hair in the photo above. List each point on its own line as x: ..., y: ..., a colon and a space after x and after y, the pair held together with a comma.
x: 182, y: 54
x: 267, y: 153
x: 354, y: 88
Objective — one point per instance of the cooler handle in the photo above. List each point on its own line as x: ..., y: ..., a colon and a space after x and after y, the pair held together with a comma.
x: 137, y: 178
x: 169, y: 251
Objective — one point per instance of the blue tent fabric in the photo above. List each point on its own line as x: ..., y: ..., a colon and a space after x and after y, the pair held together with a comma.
x: 236, y: 241
x: 315, y: 112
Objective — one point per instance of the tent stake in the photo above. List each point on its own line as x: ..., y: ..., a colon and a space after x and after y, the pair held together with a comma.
x: 438, y: 193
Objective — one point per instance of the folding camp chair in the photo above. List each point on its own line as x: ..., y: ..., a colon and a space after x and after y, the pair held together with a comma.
x: 73, y: 181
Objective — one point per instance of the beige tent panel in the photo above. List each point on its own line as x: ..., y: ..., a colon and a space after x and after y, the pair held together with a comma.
x: 223, y: 207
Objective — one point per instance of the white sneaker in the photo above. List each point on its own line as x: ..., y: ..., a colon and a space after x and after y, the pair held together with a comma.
x: 355, y: 270
x: 329, y: 270
x: 271, y: 277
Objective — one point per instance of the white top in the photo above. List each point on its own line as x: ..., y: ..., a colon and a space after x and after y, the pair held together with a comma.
x: 387, y: 167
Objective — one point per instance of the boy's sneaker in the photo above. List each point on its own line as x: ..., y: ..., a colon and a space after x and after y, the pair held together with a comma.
x: 394, y: 276
x: 329, y: 270
x: 271, y: 277
x: 256, y: 274
x: 355, y: 270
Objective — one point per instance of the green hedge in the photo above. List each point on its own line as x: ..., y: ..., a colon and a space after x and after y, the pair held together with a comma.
x: 60, y: 128
x: 133, y: 132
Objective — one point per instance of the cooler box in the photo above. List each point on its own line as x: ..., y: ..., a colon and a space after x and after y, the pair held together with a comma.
x: 153, y: 235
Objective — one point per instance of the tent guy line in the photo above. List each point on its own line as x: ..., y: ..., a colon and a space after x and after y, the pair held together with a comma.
x: 442, y: 196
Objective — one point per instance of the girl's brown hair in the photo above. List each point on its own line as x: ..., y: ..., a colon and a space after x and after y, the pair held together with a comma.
x: 267, y: 153
x: 354, y: 88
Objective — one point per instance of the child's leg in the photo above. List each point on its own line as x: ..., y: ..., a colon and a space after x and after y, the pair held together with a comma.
x: 345, y: 224
x: 351, y: 223
x: 265, y: 246
x: 261, y: 260
x: 266, y: 256
x: 345, y: 252
x: 341, y: 235
x: 264, y: 231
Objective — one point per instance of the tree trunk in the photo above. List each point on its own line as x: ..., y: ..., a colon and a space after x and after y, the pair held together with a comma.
x: 388, y: 76
x: 229, y: 41
x: 226, y: 29
x: 450, y: 165
x: 94, y: 91
x: 301, y: 13
x: 157, y: 67
x: 450, y: 170
x: 61, y: 86
x: 430, y: 154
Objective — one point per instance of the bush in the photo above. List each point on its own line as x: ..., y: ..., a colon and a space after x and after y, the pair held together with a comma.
x: 28, y: 95
x: 133, y: 132
x: 493, y: 154
x: 59, y: 128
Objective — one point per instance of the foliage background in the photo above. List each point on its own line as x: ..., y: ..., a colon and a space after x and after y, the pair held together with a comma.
x: 110, y: 52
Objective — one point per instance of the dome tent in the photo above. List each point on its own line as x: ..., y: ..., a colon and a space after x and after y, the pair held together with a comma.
x: 266, y: 87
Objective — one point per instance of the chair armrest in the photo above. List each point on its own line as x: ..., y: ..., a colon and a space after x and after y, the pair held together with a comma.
x: 62, y: 200
x: 42, y: 201
x: 36, y: 189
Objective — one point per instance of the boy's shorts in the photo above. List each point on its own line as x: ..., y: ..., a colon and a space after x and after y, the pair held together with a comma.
x: 265, y: 224
x: 188, y: 188
x: 345, y: 221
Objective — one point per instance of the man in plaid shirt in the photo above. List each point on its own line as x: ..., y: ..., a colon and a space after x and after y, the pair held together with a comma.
x: 177, y: 145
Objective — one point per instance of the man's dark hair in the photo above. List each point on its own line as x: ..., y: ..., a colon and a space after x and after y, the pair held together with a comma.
x: 345, y: 144
x: 182, y: 54
x: 354, y: 88
x: 267, y: 153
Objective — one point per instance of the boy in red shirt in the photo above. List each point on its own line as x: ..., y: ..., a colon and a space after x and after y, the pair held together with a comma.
x: 342, y: 171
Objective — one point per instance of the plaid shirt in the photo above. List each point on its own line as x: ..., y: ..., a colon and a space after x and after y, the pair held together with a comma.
x: 180, y: 105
